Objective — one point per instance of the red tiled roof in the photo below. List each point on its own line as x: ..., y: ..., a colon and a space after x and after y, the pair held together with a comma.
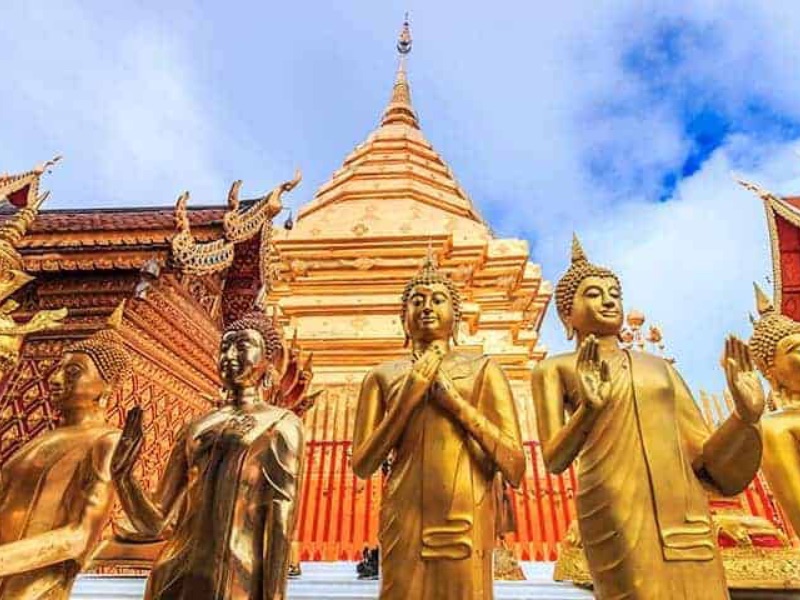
x: 117, y: 228
x: 61, y: 221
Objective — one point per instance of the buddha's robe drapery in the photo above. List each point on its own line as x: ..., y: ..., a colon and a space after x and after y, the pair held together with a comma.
x: 437, y: 517
x: 48, y: 485
x: 782, y: 459
x: 642, y: 510
x: 232, y: 536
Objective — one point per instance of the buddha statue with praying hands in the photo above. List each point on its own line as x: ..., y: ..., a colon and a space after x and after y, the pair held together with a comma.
x: 644, y: 452
x: 226, y: 502
x: 775, y: 345
x: 56, y: 493
x: 449, y: 422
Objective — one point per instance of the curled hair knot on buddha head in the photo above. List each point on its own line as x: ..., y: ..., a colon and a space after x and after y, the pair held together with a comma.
x: 768, y: 330
x: 579, y: 269
x: 107, y: 350
x: 256, y: 320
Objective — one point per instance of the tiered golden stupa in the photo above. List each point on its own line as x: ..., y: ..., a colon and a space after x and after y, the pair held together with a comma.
x: 336, y: 279
x: 338, y: 276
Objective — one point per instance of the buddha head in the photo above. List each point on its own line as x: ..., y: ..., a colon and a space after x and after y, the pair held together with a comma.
x: 431, y: 307
x: 588, y: 297
x: 89, y: 372
x: 775, y: 346
x: 248, y: 350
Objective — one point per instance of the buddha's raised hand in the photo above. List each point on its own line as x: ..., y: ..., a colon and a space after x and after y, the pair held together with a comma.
x: 130, y: 444
x: 743, y: 382
x: 422, y: 375
x: 594, y: 380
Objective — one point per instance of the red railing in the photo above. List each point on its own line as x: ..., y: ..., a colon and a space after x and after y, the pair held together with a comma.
x: 339, y: 512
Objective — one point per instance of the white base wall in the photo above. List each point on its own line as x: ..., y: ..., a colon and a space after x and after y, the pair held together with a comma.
x: 337, y: 581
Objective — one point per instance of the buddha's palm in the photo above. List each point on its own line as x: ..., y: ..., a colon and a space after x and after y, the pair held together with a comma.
x: 743, y: 382
x: 130, y: 444
x: 594, y: 380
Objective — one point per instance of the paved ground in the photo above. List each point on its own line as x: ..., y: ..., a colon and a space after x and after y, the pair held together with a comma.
x: 337, y: 581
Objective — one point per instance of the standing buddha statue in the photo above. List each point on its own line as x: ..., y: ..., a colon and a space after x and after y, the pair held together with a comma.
x: 227, y: 499
x: 645, y: 452
x: 56, y: 493
x: 449, y: 422
x: 775, y: 345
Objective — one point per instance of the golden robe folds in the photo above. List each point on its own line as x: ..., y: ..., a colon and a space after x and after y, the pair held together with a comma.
x: 438, y: 502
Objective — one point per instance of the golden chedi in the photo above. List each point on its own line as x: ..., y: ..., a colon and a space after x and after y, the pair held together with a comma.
x: 56, y: 493
x: 231, y: 484
x: 448, y: 421
x: 645, y: 450
x: 775, y: 345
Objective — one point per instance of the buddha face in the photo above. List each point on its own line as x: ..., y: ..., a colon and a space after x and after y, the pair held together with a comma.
x: 242, y: 358
x: 76, y: 383
x: 597, y: 307
x: 786, y: 367
x: 429, y: 313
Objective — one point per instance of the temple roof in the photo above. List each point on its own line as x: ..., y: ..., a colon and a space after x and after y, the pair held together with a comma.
x: 92, y: 239
x: 108, y: 227
x: 783, y: 223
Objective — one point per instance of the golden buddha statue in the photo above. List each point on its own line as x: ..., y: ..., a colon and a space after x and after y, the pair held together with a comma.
x: 449, y: 421
x: 56, y: 493
x: 775, y: 345
x: 227, y: 498
x: 645, y: 450
x: 12, y: 334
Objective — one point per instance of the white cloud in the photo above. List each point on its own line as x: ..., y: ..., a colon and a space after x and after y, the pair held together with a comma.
x: 689, y: 263
x: 117, y: 99
x: 542, y: 119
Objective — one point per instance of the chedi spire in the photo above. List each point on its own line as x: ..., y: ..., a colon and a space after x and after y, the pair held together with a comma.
x: 399, y: 110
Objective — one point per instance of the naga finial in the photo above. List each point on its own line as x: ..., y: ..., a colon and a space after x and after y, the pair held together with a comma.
x: 233, y: 195
x: 758, y: 190
x: 181, y: 213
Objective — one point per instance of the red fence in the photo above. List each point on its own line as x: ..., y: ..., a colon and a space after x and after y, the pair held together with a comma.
x: 339, y: 512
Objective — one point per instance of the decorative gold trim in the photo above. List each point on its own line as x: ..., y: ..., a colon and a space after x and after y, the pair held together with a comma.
x: 745, y: 568
x: 203, y: 258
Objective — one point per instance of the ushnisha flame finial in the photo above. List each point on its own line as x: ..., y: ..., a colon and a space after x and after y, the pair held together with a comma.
x: 764, y: 303
x: 578, y: 255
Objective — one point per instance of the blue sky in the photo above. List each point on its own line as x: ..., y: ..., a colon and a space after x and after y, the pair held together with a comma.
x: 619, y: 120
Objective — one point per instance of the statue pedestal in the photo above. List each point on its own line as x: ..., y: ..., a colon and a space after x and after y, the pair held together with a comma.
x: 758, y: 559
